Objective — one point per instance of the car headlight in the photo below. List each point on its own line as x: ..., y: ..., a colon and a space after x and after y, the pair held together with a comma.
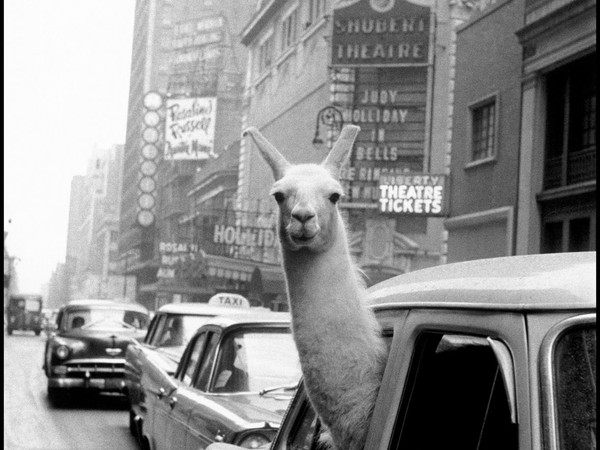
x: 62, y: 351
x: 254, y: 441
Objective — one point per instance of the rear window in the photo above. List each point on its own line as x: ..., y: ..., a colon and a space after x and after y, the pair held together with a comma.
x: 105, y: 318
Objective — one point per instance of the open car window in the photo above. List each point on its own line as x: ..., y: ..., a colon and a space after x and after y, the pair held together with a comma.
x: 455, y: 397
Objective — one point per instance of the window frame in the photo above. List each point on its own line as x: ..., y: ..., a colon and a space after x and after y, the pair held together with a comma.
x: 548, y: 386
x: 506, y: 327
x: 289, y: 21
x: 262, y: 66
x: 493, y: 98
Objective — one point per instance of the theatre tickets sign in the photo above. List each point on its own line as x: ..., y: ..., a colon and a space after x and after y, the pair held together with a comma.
x: 413, y: 194
x: 380, y: 33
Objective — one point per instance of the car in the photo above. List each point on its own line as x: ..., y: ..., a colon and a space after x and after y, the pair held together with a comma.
x: 232, y: 384
x: 86, y: 350
x: 24, y: 312
x: 171, y: 328
x: 488, y: 354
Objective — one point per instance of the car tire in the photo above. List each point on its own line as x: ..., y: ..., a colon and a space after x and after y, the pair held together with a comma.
x: 55, y: 396
x: 38, y: 332
x: 132, y: 424
x: 9, y: 331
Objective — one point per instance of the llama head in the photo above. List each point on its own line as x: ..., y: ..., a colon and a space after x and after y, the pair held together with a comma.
x: 307, y: 194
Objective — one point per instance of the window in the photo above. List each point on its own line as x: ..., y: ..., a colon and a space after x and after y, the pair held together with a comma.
x: 192, y: 361
x: 289, y: 30
x: 207, y: 363
x: 483, y: 139
x: 265, y: 55
x: 568, y: 234
x: 455, y: 397
x: 252, y: 360
x: 575, y: 378
x: 316, y: 10
x: 571, y: 124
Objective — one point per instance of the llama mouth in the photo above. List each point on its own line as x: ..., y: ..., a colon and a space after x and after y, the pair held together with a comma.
x: 303, y: 238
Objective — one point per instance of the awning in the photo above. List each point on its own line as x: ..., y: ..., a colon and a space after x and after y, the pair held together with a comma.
x: 175, y: 289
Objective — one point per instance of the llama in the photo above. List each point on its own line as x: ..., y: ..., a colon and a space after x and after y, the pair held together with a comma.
x: 342, y: 354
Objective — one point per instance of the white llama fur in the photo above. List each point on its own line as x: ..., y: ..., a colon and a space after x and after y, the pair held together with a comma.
x: 342, y: 354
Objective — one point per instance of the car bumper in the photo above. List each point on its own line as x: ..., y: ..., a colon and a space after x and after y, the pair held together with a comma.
x: 102, y: 384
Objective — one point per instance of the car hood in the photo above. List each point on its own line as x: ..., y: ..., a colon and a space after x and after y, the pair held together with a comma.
x: 253, y: 408
x: 94, y: 343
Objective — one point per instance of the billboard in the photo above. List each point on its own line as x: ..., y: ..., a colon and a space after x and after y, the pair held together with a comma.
x: 390, y: 106
x: 380, y: 33
x: 190, y: 128
x: 419, y: 194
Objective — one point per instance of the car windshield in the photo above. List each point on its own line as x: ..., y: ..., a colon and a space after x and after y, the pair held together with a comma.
x: 251, y: 361
x: 576, y: 388
x: 105, y: 318
x: 178, y: 329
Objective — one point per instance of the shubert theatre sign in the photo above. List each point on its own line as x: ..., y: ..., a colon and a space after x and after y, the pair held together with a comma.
x: 380, y: 33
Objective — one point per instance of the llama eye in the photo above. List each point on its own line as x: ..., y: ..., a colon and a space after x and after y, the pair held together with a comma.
x: 279, y: 197
x: 333, y: 198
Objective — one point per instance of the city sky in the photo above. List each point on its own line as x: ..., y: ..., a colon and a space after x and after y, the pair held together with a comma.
x: 66, y: 86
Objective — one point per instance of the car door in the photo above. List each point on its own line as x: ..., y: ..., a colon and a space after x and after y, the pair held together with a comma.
x: 158, y: 385
x: 181, y: 404
x: 454, y: 379
x: 203, y: 429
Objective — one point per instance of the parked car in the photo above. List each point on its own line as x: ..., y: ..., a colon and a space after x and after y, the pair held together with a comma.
x: 487, y: 354
x: 170, y: 330
x: 87, y: 349
x: 24, y: 312
x: 233, y: 384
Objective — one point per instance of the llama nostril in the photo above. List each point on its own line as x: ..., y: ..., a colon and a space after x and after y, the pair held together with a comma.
x: 302, y: 217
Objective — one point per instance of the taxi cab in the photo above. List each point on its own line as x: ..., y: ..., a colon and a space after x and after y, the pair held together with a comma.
x: 233, y: 384
x: 487, y: 354
x: 171, y: 328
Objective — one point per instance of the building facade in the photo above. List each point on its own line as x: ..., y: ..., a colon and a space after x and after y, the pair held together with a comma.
x: 524, y: 135
x: 196, y: 65
x: 91, y: 264
x: 315, y: 66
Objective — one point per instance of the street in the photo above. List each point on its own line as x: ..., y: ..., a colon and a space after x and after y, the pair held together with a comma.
x: 31, y: 422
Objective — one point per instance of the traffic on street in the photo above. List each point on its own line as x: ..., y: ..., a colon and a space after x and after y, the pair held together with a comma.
x: 31, y: 421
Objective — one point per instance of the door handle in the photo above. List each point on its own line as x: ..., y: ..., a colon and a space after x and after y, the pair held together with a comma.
x: 161, y: 393
x: 173, y: 402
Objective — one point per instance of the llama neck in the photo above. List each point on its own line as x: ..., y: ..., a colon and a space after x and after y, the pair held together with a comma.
x: 323, y: 287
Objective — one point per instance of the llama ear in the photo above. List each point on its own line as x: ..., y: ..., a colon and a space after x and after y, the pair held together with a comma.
x: 270, y: 154
x: 341, y: 149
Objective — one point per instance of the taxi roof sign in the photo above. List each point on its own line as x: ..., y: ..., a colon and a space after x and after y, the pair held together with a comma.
x: 229, y: 299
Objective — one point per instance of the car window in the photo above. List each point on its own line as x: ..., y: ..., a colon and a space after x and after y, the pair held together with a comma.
x: 455, y: 397
x: 158, y: 330
x: 151, y: 329
x: 192, y: 360
x: 207, y: 362
x: 304, y: 433
x: 575, y: 379
x: 178, y: 329
x: 105, y: 318
x: 252, y: 360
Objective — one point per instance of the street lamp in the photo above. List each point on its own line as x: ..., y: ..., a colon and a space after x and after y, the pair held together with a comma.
x: 333, y: 119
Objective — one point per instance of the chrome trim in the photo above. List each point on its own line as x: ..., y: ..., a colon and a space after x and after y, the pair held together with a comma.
x: 547, y: 348
x: 507, y: 369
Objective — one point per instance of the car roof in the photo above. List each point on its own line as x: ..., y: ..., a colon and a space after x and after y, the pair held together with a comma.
x: 105, y: 303
x: 201, y: 309
x: 560, y: 281
x: 253, y: 317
